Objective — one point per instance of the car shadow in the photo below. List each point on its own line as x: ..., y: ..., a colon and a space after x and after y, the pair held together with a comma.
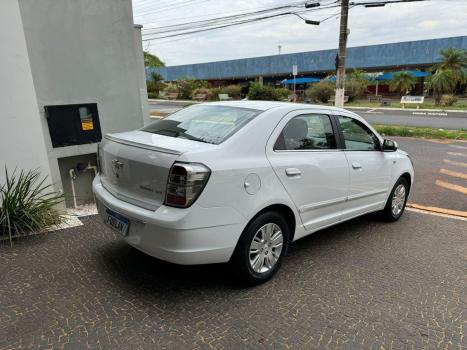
x: 142, y: 273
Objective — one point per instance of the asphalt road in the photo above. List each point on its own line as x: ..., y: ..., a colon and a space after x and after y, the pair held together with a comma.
x: 359, y: 285
x: 442, y: 120
x: 440, y: 172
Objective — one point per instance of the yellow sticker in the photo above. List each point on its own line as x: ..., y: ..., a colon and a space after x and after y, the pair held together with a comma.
x: 87, y: 124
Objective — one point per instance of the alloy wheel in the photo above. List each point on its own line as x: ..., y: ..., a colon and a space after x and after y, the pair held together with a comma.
x: 398, y: 200
x: 266, y: 248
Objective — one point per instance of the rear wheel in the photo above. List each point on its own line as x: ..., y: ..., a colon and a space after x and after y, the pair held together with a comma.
x: 261, y: 248
x: 397, y: 200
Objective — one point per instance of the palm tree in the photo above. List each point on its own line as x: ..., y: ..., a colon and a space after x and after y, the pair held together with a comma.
x: 402, y: 82
x: 442, y: 82
x: 454, y: 60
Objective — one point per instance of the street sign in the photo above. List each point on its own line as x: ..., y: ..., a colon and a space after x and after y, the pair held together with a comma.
x: 418, y: 100
x: 294, y: 69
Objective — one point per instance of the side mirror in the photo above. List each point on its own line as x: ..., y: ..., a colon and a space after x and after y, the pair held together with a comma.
x: 389, y: 146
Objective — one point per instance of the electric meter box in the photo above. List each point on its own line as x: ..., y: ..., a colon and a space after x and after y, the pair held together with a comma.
x: 71, y: 125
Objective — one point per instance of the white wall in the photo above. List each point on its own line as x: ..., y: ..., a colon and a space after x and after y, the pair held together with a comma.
x: 83, y: 51
x: 21, y: 142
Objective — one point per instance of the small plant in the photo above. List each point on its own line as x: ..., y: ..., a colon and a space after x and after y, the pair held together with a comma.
x: 27, y: 204
x: 321, y: 92
x: 448, y: 100
x: 234, y: 91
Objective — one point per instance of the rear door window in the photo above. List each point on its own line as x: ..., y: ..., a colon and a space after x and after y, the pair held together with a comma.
x: 307, y: 132
x: 209, y: 124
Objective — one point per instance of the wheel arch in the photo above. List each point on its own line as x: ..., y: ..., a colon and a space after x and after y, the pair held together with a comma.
x: 285, y: 211
x: 408, y: 178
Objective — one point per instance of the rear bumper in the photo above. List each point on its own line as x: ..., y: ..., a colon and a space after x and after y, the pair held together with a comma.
x: 195, y: 235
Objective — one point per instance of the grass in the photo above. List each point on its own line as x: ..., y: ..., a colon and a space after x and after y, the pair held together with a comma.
x: 428, y: 133
x: 461, y: 104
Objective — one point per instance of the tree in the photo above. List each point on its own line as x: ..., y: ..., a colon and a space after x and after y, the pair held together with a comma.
x: 402, y: 82
x: 357, y: 75
x: 442, y: 82
x: 454, y: 60
x: 152, y: 61
x: 155, y: 83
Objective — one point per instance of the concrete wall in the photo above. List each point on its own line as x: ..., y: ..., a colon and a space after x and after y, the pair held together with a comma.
x: 21, y: 142
x: 404, y: 54
x: 84, y: 51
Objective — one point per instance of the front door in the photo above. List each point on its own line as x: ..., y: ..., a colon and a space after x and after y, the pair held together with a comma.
x: 304, y: 154
x: 370, y: 169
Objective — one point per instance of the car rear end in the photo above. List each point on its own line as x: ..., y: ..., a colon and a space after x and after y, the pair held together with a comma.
x: 149, y: 197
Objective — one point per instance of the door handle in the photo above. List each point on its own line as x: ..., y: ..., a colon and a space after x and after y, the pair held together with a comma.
x: 356, y: 165
x: 292, y: 172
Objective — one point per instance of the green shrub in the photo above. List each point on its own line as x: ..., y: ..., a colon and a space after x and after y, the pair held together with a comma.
x: 171, y: 88
x: 321, y: 92
x: 448, y: 100
x: 234, y: 91
x: 282, y: 93
x: 27, y: 204
x: 206, y: 91
x: 266, y: 92
x: 188, y: 85
x: 153, y: 95
x: 355, y: 88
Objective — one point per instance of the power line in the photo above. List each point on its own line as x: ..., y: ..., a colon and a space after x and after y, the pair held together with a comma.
x: 228, y: 20
x: 190, y: 28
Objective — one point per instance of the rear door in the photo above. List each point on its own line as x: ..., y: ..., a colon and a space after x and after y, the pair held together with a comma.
x: 370, y: 168
x: 303, y: 152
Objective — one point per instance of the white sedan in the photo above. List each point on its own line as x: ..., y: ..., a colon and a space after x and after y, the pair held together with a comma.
x: 239, y: 181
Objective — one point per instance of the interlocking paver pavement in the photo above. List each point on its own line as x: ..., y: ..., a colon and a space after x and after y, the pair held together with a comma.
x: 360, y: 285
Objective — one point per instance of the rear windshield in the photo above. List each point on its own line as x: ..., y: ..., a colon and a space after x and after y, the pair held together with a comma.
x: 209, y: 124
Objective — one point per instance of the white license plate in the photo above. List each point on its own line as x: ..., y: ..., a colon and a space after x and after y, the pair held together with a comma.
x: 116, y: 221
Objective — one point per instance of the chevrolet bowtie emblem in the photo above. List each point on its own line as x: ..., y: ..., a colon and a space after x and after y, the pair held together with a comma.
x: 117, y: 165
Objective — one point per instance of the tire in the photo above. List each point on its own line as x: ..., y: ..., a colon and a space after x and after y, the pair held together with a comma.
x: 390, y: 214
x: 251, y: 267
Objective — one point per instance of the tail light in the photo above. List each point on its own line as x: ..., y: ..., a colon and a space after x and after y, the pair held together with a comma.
x: 185, y: 184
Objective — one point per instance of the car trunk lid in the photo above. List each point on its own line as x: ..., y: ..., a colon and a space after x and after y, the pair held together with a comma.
x: 135, y: 165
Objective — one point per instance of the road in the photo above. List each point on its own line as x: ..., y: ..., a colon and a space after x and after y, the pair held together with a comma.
x: 440, y: 172
x: 441, y: 120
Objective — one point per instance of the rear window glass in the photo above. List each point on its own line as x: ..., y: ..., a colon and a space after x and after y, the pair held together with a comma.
x: 209, y: 124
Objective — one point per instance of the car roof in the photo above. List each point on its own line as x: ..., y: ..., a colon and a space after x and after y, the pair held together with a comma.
x: 266, y: 105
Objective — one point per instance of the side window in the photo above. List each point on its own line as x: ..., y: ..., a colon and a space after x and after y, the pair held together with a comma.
x: 357, y: 136
x: 309, y: 131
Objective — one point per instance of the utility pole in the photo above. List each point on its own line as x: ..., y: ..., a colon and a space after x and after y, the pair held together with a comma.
x: 340, y: 91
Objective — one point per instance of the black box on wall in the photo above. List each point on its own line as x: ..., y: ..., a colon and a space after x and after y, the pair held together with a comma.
x: 73, y: 124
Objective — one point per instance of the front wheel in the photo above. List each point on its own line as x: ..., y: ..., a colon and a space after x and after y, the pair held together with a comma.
x: 397, y: 200
x: 261, y: 248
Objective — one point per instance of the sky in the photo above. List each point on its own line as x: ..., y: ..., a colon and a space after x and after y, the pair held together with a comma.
x: 392, y: 23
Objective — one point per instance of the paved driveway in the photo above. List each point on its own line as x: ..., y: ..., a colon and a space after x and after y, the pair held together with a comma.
x: 360, y: 285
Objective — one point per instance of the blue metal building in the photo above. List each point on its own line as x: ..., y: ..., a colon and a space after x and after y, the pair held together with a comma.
x: 404, y: 55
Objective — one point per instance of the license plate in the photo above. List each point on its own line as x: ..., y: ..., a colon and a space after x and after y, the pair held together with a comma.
x: 116, y: 221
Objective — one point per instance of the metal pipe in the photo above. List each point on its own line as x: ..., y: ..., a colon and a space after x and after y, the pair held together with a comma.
x: 73, y: 177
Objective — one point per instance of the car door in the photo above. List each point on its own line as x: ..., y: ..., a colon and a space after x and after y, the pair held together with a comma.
x: 370, y: 168
x: 304, y: 153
